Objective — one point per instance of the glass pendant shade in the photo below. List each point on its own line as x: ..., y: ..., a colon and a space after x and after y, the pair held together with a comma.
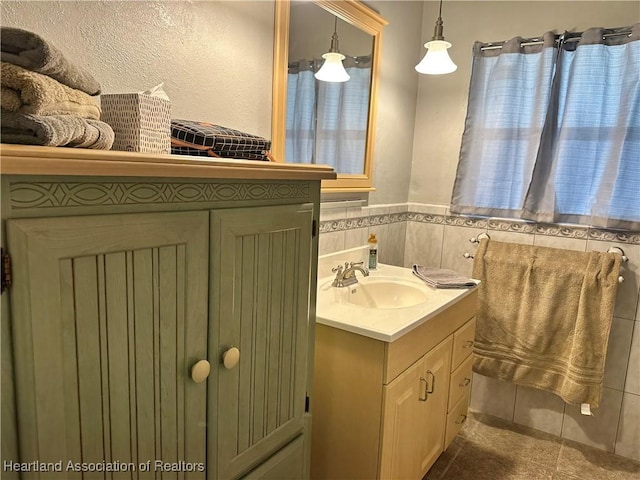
x: 437, y: 60
x: 332, y: 69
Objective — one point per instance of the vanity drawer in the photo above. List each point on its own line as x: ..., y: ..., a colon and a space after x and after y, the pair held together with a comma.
x: 455, y: 419
x: 460, y: 384
x: 406, y: 350
x: 463, y: 343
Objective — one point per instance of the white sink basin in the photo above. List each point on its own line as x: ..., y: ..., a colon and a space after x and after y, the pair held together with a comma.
x: 385, y: 305
x: 384, y: 293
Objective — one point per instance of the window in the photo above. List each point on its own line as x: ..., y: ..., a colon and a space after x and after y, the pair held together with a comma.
x: 553, y: 130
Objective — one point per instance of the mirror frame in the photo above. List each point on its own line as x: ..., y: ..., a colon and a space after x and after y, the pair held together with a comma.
x: 359, y: 15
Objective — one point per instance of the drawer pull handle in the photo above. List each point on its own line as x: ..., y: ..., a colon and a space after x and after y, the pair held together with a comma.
x: 423, y: 390
x: 465, y: 382
x: 462, y: 420
x: 433, y: 382
x: 468, y: 344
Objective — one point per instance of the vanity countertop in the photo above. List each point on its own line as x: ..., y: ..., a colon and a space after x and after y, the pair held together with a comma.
x: 386, y: 324
x: 36, y: 160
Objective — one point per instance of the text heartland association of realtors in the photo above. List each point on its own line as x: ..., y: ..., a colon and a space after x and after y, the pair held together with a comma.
x: 71, y: 466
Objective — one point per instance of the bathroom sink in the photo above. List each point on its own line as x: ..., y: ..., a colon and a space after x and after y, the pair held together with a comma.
x: 384, y: 293
x: 388, y: 303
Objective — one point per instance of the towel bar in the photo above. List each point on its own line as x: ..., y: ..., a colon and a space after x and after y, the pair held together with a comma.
x: 477, y: 238
x: 620, y: 252
x: 617, y: 250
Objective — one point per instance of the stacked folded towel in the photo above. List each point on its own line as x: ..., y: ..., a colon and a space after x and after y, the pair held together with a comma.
x: 45, y: 98
x: 441, y: 278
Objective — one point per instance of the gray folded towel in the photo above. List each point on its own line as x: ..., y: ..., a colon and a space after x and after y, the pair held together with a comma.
x: 55, y: 131
x: 441, y: 278
x: 33, y: 52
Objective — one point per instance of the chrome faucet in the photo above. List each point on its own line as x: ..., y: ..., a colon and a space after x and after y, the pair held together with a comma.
x: 346, y: 275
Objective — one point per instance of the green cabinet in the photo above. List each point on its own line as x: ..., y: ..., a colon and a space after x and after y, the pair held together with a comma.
x: 111, y: 308
x: 260, y: 302
x: 109, y: 312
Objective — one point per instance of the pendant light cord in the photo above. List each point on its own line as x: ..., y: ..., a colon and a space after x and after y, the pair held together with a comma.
x: 437, y: 31
x: 334, y: 37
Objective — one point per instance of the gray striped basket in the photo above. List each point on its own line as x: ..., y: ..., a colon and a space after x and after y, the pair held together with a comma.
x: 141, y: 123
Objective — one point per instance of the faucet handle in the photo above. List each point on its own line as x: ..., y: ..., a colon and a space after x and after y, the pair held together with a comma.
x: 337, y: 269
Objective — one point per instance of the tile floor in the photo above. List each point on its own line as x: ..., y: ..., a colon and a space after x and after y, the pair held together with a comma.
x: 489, y: 448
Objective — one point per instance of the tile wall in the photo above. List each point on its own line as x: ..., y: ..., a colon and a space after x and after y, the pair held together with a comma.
x: 429, y: 235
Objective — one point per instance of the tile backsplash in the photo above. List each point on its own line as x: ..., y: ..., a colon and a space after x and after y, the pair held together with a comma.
x: 429, y: 235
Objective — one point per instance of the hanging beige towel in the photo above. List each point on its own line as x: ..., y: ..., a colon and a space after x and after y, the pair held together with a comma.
x: 544, y: 316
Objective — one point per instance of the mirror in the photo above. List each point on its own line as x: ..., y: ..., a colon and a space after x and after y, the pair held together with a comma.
x: 314, y: 126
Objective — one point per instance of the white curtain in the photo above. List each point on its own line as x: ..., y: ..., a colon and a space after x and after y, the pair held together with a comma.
x: 553, y: 131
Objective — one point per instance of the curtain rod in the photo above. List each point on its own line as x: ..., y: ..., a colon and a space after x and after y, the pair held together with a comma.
x: 576, y: 38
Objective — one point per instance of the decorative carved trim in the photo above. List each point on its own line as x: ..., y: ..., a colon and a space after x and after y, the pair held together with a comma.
x: 52, y: 194
x: 614, y: 236
x: 511, y: 226
x: 491, y: 224
x: 329, y: 226
x: 566, y: 231
x: 472, y: 222
x: 426, y: 217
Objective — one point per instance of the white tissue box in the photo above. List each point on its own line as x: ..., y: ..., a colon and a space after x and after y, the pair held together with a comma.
x: 141, y: 123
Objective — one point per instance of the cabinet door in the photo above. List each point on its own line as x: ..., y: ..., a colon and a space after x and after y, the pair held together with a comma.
x: 286, y: 464
x: 109, y: 313
x: 415, y: 413
x: 400, y: 428
x: 432, y: 417
x: 260, y: 304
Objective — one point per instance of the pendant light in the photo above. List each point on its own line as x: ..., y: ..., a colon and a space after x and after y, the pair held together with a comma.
x: 332, y: 69
x: 437, y: 61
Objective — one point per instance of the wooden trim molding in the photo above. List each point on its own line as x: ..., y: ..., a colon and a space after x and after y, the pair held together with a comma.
x: 29, y: 195
x: 32, y: 160
x: 361, y: 16
x: 280, y: 57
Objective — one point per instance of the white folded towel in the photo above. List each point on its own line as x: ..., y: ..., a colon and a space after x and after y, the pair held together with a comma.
x: 441, y: 278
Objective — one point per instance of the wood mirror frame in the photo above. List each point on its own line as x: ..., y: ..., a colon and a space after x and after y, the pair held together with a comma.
x: 358, y: 15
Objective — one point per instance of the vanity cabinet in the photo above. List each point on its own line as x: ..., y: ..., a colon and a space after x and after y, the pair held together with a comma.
x: 414, y: 415
x: 121, y: 285
x: 460, y: 382
x: 383, y: 409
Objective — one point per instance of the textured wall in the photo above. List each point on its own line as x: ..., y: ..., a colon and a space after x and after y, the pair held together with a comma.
x: 215, y: 57
x: 396, y: 100
x: 442, y: 100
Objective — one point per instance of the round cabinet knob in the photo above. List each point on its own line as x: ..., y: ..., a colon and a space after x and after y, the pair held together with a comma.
x: 200, y: 371
x: 231, y: 357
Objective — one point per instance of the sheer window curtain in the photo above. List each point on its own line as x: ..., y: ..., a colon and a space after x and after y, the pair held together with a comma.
x: 327, y: 122
x: 301, y: 114
x: 560, y: 147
